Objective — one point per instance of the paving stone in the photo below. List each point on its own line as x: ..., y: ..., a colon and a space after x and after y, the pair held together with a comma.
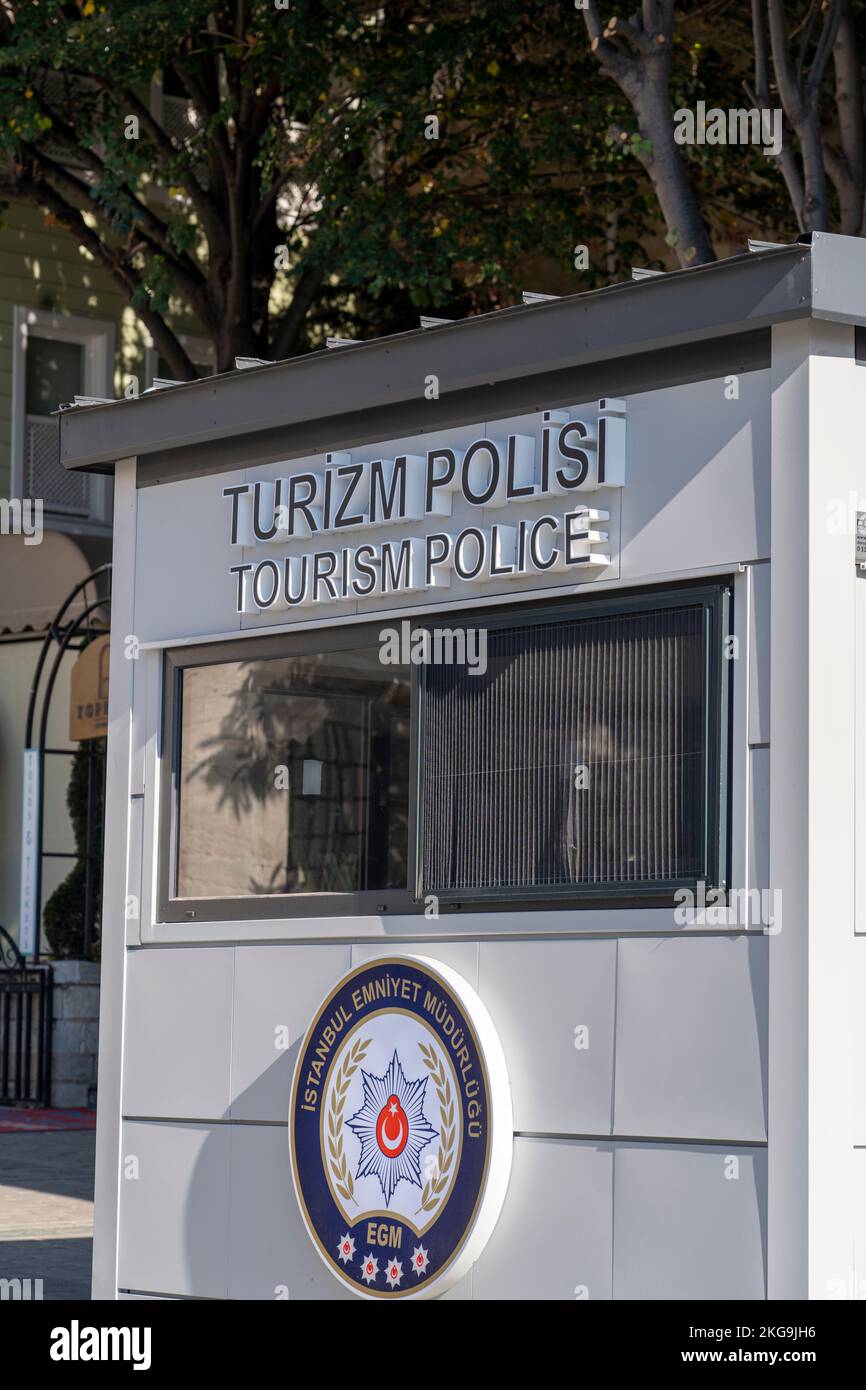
x: 62, y: 1265
x: 46, y: 1210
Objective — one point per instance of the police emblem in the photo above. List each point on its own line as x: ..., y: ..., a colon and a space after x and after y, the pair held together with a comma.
x: 400, y: 1128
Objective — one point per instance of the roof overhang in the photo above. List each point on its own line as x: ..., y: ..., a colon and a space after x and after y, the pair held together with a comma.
x: 332, y: 398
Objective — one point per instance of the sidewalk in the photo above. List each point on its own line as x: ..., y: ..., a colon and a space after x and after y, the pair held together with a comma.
x: 46, y: 1209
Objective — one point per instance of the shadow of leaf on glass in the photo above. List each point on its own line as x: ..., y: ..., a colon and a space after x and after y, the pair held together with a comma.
x: 336, y: 819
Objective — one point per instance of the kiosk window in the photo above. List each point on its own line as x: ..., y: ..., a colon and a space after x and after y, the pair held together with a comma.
x: 293, y: 776
x: 578, y: 759
x: 549, y: 756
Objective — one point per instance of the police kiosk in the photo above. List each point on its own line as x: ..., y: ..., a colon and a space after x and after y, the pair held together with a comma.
x: 485, y: 891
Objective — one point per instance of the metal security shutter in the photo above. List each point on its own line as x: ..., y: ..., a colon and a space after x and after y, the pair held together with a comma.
x: 578, y: 758
x: 60, y: 489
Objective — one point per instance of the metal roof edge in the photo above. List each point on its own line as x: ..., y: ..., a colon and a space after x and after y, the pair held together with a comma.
x: 839, y: 278
x: 722, y: 298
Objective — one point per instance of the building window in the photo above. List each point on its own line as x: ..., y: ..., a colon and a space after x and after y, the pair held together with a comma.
x: 581, y: 759
x: 57, y: 357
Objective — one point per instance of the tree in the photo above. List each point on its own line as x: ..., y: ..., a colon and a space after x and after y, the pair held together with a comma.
x: 339, y: 164
x: 325, y: 166
x: 636, y: 53
x: 791, y: 49
x: 800, y: 70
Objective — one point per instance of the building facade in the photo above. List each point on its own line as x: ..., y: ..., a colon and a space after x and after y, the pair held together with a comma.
x: 529, y: 648
x: 65, y: 331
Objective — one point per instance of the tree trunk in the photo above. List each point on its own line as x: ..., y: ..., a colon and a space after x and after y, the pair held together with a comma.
x: 666, y: 168
x: 635, y: 53
x: 816, y: 212
x: 850, y: 179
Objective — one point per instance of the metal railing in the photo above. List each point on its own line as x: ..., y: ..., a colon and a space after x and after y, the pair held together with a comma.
x: 25, y: 1027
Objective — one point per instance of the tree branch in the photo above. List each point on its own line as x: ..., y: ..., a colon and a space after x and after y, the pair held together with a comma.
x: 206, y: 113
x: 144, y: 216
x: 643, y: 77
x: 788, y: 91
x: 204, y: 206
x: 124, y: 274
x: 188, y: 276
x: 289, y: 327
x: 762, y: 57
x: 832, y: 16
x: 800, y: 102
x: 611, y: 58
x: 808, y: 31
x: 848, y: 171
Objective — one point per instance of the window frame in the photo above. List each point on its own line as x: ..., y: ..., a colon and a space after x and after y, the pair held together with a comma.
x: 97, y: 337
x: 717, y: 600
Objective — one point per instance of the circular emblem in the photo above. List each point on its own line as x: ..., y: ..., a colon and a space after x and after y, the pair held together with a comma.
x: 400, y: 1128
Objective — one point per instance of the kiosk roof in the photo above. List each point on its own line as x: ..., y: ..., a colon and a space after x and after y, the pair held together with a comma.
x: 662, y: 330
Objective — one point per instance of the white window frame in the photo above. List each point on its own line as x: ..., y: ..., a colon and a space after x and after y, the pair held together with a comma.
x: 97, y: 337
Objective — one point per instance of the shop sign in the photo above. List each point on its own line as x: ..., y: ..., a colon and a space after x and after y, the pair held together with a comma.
x: 88, y: 692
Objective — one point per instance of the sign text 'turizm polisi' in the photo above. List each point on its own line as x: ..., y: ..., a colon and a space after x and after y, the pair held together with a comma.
x: 316, y: 513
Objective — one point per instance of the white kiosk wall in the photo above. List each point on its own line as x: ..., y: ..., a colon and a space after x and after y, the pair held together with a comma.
x: 694, y: 1029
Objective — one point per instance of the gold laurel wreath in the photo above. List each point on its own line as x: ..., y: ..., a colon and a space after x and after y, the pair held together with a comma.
x: 343, y: 1180
x: 434, y: 1187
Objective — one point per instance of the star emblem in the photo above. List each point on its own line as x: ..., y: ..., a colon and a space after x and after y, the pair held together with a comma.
x: 346, y: 1249
x: 392, y: 1128
x: 369, y: 1269
x: 420, y: 1260
x: 394, y: 1273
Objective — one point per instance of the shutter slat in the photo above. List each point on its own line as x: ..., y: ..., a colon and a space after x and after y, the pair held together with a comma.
x: 622, y: 694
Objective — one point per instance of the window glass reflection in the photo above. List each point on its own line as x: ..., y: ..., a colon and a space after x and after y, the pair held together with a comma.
x: 294, y: 776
